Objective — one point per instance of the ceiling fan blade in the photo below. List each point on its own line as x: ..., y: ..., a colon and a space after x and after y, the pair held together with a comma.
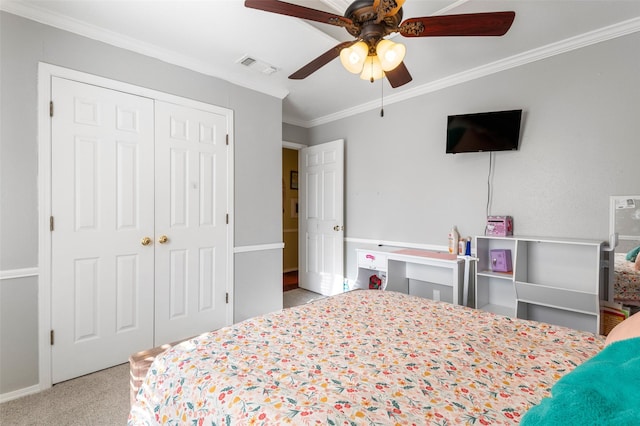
x: 470, y: 24
x: 294, y: 10
x: 320, y: 61
x: 386, y: 8
x: 398, y: 76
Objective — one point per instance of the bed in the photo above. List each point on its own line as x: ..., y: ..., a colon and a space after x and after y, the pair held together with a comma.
x: 362, y: 357
x: 626, y: 283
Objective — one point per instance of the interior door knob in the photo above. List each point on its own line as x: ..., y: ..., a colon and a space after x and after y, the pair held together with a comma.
x: 338, y: 228
x: 163, y: 239
x: 145, y: 241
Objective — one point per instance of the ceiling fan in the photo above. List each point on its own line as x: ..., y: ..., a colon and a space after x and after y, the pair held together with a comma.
x: 371, y: 54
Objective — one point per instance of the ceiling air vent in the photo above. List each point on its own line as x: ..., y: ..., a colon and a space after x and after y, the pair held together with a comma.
x: 247, y: 61
x: 257, y: 65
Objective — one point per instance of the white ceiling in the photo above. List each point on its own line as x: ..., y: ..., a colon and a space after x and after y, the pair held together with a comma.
x: 211, y: 36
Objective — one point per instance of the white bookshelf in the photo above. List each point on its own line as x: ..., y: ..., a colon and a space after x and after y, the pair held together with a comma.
x: 495, y: 291
x: 553, y: 280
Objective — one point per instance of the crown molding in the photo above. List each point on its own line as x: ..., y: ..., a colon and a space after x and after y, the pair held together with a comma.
x: 75, y: 26
x: 587, y: 39
x: 100, y: 34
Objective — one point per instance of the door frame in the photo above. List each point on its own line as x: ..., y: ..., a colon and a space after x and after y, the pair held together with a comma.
x: 296, y: 147
x: 45, y: 73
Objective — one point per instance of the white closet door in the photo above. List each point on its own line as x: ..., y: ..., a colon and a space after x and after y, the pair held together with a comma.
x: 102, y: 206
x: 191, y: 207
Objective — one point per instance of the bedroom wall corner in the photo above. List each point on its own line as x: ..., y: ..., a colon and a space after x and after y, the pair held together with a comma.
x: 258, y: 204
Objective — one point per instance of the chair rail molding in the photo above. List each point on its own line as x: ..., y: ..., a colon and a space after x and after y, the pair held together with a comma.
x: 11, y: 274
x: 259, y: 247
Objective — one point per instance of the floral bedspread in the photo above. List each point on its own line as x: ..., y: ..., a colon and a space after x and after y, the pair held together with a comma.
x: 627, y: 281
x: 364, y: 357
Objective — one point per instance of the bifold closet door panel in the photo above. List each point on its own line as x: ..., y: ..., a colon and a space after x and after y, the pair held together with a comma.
x: 102, y: 207
x: 191, y: 207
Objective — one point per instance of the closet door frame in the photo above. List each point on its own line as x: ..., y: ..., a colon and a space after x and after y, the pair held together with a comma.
x: 45, y: 74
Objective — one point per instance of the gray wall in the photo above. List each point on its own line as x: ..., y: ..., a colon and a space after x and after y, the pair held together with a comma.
x: 291, y: 133
x: 258, y: 143
x: 579, y: 145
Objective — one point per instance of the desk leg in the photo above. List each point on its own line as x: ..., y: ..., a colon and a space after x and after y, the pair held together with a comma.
x: 465, y: 287
x: 397, y: 277
x: 456, y: 284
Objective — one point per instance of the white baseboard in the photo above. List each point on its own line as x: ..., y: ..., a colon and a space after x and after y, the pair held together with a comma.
x: 9, y: 396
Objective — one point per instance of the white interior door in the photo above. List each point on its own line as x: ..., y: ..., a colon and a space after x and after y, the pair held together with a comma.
x: 102, y: 206
x: 321, y: 218
x: 191, y: 209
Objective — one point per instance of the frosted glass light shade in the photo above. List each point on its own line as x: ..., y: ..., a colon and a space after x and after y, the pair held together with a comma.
x: 372, y: 70
x: 353, y: 57
x: 391, y: 54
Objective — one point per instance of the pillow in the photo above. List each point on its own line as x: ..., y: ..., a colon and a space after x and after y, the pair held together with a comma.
x: 625, y: 330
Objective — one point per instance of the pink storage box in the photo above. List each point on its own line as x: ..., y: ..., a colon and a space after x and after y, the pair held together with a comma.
x: 500, y: 260
x: 499, y: 226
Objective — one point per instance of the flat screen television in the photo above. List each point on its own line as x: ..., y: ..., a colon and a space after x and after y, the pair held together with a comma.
x: 485, y: 131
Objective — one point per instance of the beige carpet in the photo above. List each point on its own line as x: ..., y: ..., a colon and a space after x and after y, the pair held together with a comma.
x: 299, y: 296
x: 97, y: 399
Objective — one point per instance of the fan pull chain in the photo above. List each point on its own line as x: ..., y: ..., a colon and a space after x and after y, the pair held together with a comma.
x: 382, y: 97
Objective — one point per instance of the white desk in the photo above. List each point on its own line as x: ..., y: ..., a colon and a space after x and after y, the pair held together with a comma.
x: 430, y: 274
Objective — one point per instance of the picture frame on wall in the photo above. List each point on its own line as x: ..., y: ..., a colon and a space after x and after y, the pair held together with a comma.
x: 294, y: 180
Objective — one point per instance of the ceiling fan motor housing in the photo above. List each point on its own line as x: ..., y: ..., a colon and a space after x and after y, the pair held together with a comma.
x: 364, y: 16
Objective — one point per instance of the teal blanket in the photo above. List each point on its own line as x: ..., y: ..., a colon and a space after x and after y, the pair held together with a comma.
x: 631, y: 256
x: 605, y: 390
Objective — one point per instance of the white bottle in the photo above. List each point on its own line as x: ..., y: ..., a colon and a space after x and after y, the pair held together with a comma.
x: 453, y: 240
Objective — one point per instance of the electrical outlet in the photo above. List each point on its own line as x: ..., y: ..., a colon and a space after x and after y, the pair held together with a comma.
x: 436, y: 295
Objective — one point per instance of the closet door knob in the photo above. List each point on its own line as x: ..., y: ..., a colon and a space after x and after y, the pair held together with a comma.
x: 145, y: 241
x: 163, y: 239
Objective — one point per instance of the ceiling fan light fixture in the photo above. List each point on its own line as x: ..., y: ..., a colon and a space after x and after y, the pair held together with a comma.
x: 369, y: 21
x: 372, y: 69
x: 390, y: 54
x: 354, y: 57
